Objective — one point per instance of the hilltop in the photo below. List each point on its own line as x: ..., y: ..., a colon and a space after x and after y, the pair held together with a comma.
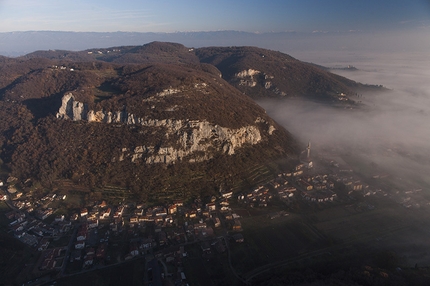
x: 257, y: 72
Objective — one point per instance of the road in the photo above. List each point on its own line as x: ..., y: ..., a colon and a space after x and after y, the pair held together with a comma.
x: 229, y: 260
x: 69, y: 248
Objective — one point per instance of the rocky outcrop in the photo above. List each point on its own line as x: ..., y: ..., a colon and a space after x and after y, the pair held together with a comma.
x: 247, y: 77
x: 72, y: 109
x: 195, y: 138
x: 251, y: 78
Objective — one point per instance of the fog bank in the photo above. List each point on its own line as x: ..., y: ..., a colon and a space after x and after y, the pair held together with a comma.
x: 392, y: 128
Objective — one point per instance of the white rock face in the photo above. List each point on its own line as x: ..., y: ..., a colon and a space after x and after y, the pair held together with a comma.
x: 247, y: 73
x: 247, y: 77
x: 72, y: 109
x: 195, y: 137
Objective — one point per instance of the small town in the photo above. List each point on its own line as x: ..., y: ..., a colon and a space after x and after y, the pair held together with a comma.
x: 165, y: 238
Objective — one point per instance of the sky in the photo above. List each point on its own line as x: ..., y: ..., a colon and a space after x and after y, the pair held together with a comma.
x: 255, y: 16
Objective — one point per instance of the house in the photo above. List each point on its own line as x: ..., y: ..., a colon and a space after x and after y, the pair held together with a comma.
x: 82, y: 234
x: 43, y: 244
x: 172, y: 209
x: 59, y: 218
x: 93, y: 223
x: 75, y: 255
x: 179, y: 203
x: 275, y: 184
x: 47, y: 264
x: 79, y: 244
x: 74, y: 217
x: 217, y: 222
x: 89, y: 260
x: 227, y: 194
x: 357, y: 186
x: 224, y: 203
x: 169, y: 219
x: 106, y: 214
x: 211, y: 207
x: 11, y: 214
x: 192, y: 214
x: 147, y: 243
x: 148, y: 218
x: 101, y: 251
x: 299, y: 167
x: 297, y: 173
x: 161, y: 212
x: 237, y: 226
x: 134, y: 250
x: 238, y: 238
x: 90, y: 251
x: 199, y: 225
x: 84, y: 212
x: 64, y: 226
x: 44, y: 214
x: 119, y: 212
x: 162, y: 238
x: 305, y: 185
x: 159, y: 219
x: 330, y: 184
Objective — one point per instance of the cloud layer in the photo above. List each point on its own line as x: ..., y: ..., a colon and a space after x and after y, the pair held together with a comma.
x: 394, y: 127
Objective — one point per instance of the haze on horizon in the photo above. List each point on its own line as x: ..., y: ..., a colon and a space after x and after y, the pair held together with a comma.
x: 288, y: 26
x: 249, y: 16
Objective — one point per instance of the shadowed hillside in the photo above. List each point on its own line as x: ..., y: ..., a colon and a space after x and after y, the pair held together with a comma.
x: 160, y: 130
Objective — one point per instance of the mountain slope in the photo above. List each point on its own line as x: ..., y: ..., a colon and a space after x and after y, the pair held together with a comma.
x: 159, y: 119
x: 265, y: 73
x: 160, y: 130
x: 254, y: 71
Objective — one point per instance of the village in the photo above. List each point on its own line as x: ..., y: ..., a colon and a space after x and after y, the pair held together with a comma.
x: 103, y: 234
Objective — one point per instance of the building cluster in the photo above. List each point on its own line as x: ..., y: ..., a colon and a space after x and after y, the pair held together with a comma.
x: 258, y: 197
x: 412, y: 198
x: 318, y: 188
x: 31, y: 229
x: 52, y: 259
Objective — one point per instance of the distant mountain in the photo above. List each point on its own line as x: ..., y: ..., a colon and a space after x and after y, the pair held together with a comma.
x: 21, y: 43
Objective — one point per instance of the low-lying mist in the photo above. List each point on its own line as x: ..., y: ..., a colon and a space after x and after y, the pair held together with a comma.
x: 390, y: 130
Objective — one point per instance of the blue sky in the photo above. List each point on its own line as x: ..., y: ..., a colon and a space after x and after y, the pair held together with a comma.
x: 210, y: 15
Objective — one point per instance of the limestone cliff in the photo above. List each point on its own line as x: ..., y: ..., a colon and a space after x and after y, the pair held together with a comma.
x: 72, y: 109
x: 192, y: 139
